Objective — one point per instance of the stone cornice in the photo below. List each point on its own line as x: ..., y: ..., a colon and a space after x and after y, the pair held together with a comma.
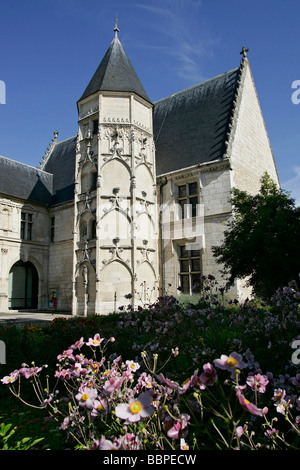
x: 195, y: 170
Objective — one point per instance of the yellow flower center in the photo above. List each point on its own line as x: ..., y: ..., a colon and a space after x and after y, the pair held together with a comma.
x: 247, y: 401
x: 84, y: 397
x: 135, y: 407
x: 100, y: 407
x: 10, y: 379
x: 96, y: 341
x: 231, y: 361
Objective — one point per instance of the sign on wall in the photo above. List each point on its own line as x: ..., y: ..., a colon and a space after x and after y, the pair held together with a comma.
x: 53, y: 298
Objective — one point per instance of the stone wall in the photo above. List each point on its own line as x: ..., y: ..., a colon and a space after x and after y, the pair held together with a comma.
x: 61, y: 255
x: 250, y: 150
x: 203, y: 231
x: 122, y: 254
x: 13, y: 249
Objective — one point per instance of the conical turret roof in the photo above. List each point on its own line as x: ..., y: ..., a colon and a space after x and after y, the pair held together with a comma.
x: 115, y: 73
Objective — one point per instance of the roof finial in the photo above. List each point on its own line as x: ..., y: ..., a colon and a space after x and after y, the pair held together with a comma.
x: 116, y: 29
x: 244, y: 53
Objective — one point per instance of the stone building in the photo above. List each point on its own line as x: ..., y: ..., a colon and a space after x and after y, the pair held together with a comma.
x: 132, y: 204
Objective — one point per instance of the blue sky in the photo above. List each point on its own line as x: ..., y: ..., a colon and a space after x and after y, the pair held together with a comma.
x: 51, y: 48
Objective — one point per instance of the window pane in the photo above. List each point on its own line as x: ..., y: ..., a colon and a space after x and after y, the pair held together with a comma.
x: 184, y: 253
x: 184, y: 266
x: 185, y: 284
x: 193, y: 189
x: 193, y: 201
x: 195, y: 253
x: 196, y: 264
x: 182, y: 190
x: 29, y: 217
x: 22, y: 230
x: 23, y: 216
x: 195, y: 283
x: 183, y: 209
x: 29, y: 231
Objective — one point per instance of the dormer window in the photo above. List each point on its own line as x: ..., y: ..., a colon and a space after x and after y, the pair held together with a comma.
x: 26, y: 226
x: 188, y: 199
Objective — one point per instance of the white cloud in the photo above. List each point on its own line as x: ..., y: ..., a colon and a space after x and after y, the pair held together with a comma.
x: 293, y: 185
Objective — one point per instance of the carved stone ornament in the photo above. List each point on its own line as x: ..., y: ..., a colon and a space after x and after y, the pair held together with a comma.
x: 116, y: 203
x: 116, y: 252
x: 145, y: 253
x: 142, y: 157
x: 116, y: 136
x: 144, y: 204
x: 86, y: 252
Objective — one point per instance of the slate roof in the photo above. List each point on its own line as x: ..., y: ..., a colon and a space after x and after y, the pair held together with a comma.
x: 191, y: 126
x: 115, y: 73
x: 61, y: 163
x: 25, y: 182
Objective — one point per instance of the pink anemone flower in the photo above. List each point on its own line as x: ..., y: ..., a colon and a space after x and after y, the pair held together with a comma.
x: 12, y: 377
x: 253, y: 409
x: 231, y: 363
x: 86, y: 397
x: 96, y: 341
x: 209, y: 377
x: 170, y: 383
x: 112, y: 384
x: 179, y: 429
x: 105, y: 444
x: 136, y: 409
x: 28, y: 372
x: 258, y: 382
x: 100, y: 405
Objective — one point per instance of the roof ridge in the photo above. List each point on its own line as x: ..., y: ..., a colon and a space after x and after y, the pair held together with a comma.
x: 196, y: 85
x: 232, y: 122
x: 49, y: 150
x: 68, y: 138
x: 25, y: 164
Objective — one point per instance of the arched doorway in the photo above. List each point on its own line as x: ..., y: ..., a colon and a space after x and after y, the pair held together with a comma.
x: 23, y: 286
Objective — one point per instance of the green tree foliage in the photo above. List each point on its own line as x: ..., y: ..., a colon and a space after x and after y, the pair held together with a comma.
x: 262, y: 240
